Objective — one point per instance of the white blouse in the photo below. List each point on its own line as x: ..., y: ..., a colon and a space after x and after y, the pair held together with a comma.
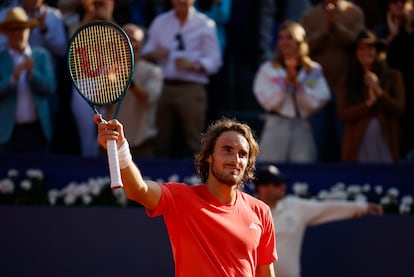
x: 273, y: 94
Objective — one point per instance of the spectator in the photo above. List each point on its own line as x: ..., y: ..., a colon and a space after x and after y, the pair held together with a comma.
x: 50, y: 32
x: 292, y: 215
x: 398, y: 32
x: 331, y: 28
x: 184, y: 43
x: 139, y: 106
x: 291, y: 88
x: 27, y: 81
x: 370, y: 104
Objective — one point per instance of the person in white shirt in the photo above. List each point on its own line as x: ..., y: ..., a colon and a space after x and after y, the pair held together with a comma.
x: 184, y: 43
x: 290, y: 88
x: 292, y: 215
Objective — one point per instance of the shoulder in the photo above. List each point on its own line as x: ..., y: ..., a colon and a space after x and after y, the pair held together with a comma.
x: 269, y: 66
x: 176, y: 186
x: 164, y: 17
x: 196, y: 15
x: 182, y: 188
x: 40, y: 51
x: 311, y: 65
x: 315, y: 65
x: 256, y: 204
x: 54, y: 12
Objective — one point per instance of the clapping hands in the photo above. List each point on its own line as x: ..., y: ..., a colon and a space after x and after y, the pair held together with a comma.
x: 374, y: 89
x: 26, y: 65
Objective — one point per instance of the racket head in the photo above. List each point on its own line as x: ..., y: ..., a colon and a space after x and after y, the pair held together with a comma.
x: 100, y: 62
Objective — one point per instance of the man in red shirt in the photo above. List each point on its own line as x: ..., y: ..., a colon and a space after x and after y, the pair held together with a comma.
x: 215, y: 229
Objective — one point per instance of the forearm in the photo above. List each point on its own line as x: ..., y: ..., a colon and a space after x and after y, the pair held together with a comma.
x: 147, y: 193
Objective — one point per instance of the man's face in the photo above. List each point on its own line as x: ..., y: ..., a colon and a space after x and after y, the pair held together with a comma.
x: 31, y: 5
x: 101, y: 9
x: 136, y: 36
x: 271, y: 193
x: 17, y: 36
x: 229, y: 159
x: 182, y: 6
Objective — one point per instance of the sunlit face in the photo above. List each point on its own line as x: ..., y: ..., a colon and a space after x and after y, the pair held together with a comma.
x: 286, y: 44
x: 100, y: 9
x: 17, y: 36
x: 271, y: 193
x: 366, y: 54
x: 229, y: 159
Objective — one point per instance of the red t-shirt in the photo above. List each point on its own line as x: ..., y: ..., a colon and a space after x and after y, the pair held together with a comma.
x: 209, y: 238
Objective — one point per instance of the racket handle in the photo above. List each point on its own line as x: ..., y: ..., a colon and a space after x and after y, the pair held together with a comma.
x: 114, y: 171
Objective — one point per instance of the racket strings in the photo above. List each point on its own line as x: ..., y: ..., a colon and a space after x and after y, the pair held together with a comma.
x: 100, y: 61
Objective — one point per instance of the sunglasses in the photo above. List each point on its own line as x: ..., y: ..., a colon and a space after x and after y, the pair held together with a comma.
x: 15, y: 29
x: 180, y: 41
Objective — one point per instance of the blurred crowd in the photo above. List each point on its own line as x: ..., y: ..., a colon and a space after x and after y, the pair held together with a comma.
x: 330, y: 80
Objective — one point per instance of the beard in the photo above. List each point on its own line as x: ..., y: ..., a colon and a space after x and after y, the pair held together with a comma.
x: 230, y: 179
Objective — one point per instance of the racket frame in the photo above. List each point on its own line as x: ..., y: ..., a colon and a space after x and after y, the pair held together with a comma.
x: 116, y: 181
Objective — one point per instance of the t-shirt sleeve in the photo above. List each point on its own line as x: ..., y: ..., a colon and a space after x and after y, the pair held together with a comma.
x: 267, y: 247
x: 166, y: 194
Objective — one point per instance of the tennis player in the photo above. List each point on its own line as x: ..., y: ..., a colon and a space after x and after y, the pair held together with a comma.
x: 215, y: 229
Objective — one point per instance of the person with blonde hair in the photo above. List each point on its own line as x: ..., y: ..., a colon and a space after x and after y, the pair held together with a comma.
x: 290, y: 88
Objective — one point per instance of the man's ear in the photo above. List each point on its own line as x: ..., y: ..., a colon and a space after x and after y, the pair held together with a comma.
x: 208, y: 159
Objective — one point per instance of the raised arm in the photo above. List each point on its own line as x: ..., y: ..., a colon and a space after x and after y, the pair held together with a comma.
x: 147, y: 193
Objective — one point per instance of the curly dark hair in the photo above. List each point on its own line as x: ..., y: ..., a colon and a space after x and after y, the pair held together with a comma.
x: 208, y: 142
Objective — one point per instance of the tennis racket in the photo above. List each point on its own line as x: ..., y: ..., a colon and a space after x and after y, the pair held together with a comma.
x: 101, y: 64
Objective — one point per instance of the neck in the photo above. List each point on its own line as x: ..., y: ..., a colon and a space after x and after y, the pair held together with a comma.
x: 222, y: 192
x: 182, y: 15
x: 17, y: 48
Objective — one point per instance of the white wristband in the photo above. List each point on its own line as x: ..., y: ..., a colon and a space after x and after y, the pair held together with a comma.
x: 124, y: 155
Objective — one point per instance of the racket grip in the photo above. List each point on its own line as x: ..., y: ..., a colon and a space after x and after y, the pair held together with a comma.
x: 114, y: 171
